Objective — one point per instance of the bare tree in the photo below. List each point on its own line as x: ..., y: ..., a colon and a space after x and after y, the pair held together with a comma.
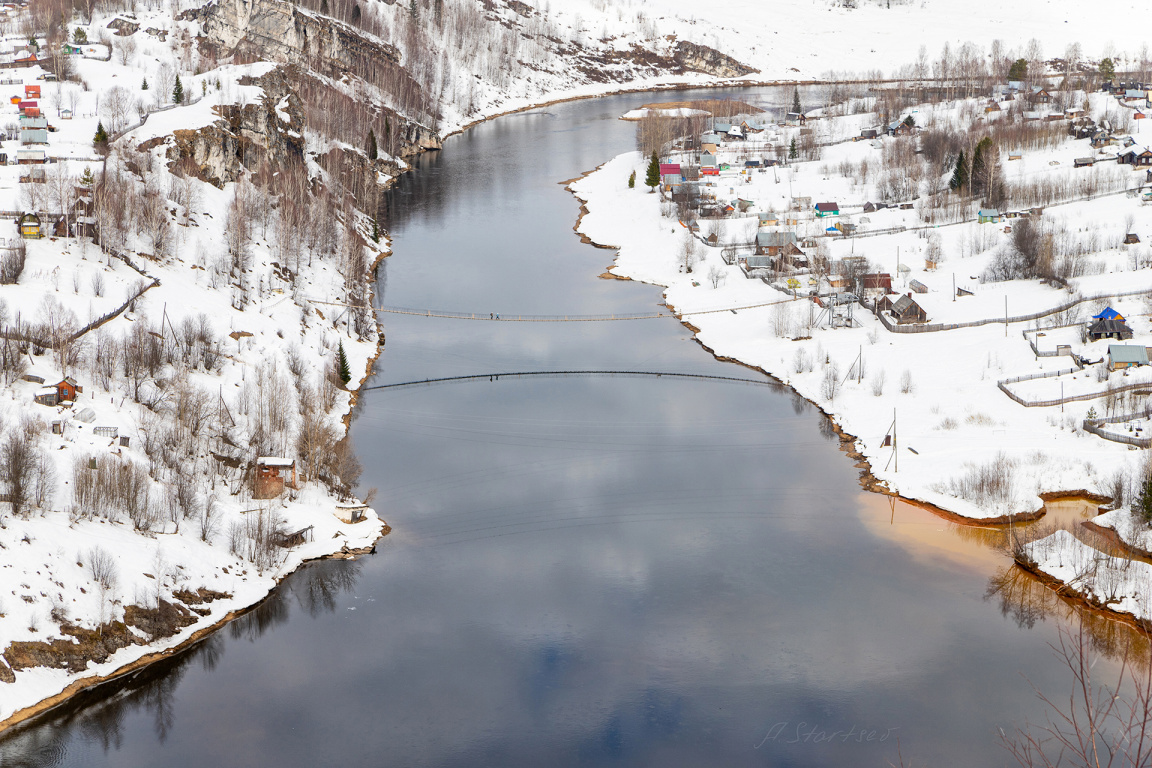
x: 117, y: 103
x: 1098, y: 724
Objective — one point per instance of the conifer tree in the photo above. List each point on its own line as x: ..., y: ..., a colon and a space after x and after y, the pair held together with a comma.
x: 796, y: 100
x: 371, y: 145
x: 178, y: 92
x: 375, y: 230
x: 652, y: 178
x: 101, y: 136
x: 960, y: 175
x: 342, y: 365
x: 86, y: 178
x: 793, y: 153
x: 632, y: 180
x: 144, y: 84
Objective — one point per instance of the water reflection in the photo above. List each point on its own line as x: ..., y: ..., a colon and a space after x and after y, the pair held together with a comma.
x: 99, y: 714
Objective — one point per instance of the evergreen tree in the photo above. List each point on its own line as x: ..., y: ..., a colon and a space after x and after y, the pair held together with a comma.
x: 979, y: 163
x: 652, y: 178
x: 324, y: 7
x: 371, y: 145
x: 86, y: 178
x: 1107, y: 69
x: 144, y: 84
x: 793, y: 152
x: 1018, y: 70
x: 375, y: 230
x: 79, y: 36
x: 796, y: 100
x: 342, y: 365
x: 412, y: 8
x: 632, y: 180
x: 910, y: 121
x: 960, y: 175
x: 178, y: 92
x: 101, y: 136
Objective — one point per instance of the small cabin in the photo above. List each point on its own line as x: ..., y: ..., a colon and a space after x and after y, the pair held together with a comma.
x: 31, y: 92
x: 67, y: 389
x: 988, y: 215
x: 906, y: 310
x: 30, y: 227
x: 273, y: 474
x: 827, y: 209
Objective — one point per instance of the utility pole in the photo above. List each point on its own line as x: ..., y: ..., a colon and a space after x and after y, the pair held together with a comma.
x: 1005, y: 317
x: 953, y: 286
x: 895, y: 445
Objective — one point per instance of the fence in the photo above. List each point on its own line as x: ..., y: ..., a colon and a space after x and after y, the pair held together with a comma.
x: 116, y: 312
x: 1147, y: 385
x: 1096, y: 427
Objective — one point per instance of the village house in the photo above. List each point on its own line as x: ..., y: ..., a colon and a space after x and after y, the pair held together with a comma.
x: 29, y: 225
x: 904, y: 309
x: 988, y: 215
x: 64, y: 391
x: 773, y: 243
x: 1121, y: 356
x: 1136, y: 156
x: 827, y: 209
x: 1110, y: 328
x: 33, y: 130
x: 877, y: 284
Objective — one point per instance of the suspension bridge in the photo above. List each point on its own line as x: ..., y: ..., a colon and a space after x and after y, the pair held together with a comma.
x: 505, y: 317
x: 564, y: 374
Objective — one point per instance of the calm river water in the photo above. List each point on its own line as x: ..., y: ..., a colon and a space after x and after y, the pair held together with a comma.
x: 587, y: 570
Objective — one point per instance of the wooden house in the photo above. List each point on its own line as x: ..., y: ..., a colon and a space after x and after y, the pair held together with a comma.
x: 827, y: 209
x: 1136, y: 156
x: 1109, y: 329
x: 67, y: 389
x: 31, y: 92
x: 773, y: 243
x: 1121, y: 356
x: 273, y: 474
x: 988, y: 215
x: 1131, y: 238
x: 877, y: 284
x: 906, y: 310
x: 29, y: 224
x: 918, y: 287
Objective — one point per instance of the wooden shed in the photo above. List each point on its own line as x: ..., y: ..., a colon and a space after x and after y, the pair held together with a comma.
x: 67, y: 389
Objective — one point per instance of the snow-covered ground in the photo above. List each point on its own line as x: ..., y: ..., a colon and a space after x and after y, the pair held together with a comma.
x: 66, y: 564
x: 937, y: 392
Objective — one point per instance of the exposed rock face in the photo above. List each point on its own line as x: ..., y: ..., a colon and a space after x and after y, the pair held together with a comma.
x: 80, y: 645
x: 123, y: 27
x: 701, y: 58
x: 246, y: 134
x: 274, y: 30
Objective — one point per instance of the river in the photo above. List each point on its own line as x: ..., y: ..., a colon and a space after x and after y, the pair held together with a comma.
x: 588, y: 569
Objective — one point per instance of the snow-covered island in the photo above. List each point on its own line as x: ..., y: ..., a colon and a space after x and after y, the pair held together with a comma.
x: 981, y: 334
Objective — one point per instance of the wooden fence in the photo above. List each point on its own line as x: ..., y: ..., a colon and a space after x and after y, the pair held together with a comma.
x: 1096, y: 427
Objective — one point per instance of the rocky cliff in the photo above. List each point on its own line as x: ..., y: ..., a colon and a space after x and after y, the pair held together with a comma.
x: 700, y: 58
x: 271, y: 130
